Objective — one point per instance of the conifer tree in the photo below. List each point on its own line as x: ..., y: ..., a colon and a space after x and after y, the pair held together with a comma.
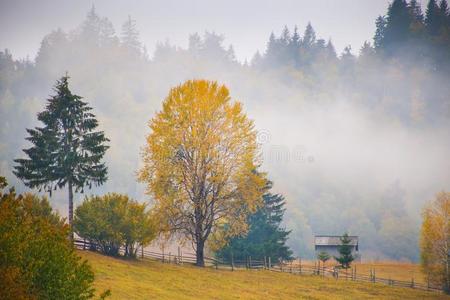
x: 366, y: 50
x: 294, y: 47
x: 272, y: 54
x: 285, y: 38
x: 323, y: 257
x: 90, y: 29
x: 265, y: 237
x: 309, y: 37
x: 378, y: 39
x: 345, y: 252
x: 295, y: 40
x: 231, y: 56
x: 444, y: 14
x: 66, y: 151
x: 195, y: 45
x: 331, y: 51
x: 398, y: 23
x: 130, y: 35
x: 432, y: 18
x: 416, y: 11
x: 256, y: 60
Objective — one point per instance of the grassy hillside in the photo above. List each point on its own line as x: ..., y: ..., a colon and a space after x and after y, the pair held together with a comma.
x: 155, y: 280
x: 394, y: 270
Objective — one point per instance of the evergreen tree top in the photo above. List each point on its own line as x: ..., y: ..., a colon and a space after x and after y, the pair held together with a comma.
x: 309, y: 37
x: 443, y: 8
x: 416, y: 10
x: 295, y: 36
x: 130, y: 35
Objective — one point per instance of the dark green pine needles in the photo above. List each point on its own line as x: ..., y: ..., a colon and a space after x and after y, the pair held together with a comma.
x: 265, y: 238
x: 345, y: 252
x: 66, y: 150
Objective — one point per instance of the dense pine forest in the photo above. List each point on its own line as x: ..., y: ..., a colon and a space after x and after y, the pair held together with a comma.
x: 356, y: 141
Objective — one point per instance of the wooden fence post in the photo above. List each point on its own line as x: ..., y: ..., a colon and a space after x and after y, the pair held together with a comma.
x: 250, y: 262
x: 142, y: 251
x: 412, y: 282
x: 232, y: 261
x: 300, y: 265
x: 270, y: 263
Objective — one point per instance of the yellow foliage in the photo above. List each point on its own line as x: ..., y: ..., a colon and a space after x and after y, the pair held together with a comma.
x: 200, y: 163
x: 435, y: 241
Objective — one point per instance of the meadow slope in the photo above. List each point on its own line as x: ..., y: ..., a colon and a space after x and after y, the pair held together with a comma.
x: 155, y: 280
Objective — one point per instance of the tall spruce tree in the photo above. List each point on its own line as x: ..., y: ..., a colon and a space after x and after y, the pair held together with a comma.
x: 294, y: 47
x: 265, y: 238
x: 130, y: 36
x: 378, y: 39
x: 398, y: 23
x: 66, y: 151
x: 416, y: 11
x: 345, y: 257
x: 309, y: 37
x: 432, y: 18
x: 331, y: 51
x: 272, y: 55
x: 444, y: 14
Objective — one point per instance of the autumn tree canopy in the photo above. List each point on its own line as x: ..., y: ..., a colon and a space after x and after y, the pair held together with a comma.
x: 113, y: 221
x: 435, y: 241
x: 200, y: 164
x: 37, y: 261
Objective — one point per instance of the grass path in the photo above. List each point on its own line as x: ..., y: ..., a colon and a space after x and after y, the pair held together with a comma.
x: 155, y: 280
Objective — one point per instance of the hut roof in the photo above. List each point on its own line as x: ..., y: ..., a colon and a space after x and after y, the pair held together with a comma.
x: 333, y: 240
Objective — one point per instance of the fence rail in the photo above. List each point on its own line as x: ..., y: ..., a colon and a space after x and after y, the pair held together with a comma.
x: 293, y: 267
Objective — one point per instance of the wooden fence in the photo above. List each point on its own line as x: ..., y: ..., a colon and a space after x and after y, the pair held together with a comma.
x: 293, y: 267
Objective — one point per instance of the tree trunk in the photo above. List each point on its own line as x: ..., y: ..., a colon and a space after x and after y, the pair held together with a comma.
x: 70, y: 210
x: 200, y: 259
x: 447, y: 274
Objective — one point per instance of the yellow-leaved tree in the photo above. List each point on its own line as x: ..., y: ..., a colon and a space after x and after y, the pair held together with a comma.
x: 435, y: 241
x: 200, y: 164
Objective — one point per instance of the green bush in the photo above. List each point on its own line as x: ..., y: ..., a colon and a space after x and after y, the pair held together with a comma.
x: 113, y: 221
x: 37, y: 260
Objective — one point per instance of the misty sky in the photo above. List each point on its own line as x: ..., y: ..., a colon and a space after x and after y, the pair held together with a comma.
x: 245, y: 24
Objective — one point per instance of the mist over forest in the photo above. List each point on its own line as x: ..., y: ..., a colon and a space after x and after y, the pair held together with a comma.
x: 356, y: 141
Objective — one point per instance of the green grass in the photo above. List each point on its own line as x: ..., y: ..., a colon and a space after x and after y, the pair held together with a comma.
x: 155, y: 280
